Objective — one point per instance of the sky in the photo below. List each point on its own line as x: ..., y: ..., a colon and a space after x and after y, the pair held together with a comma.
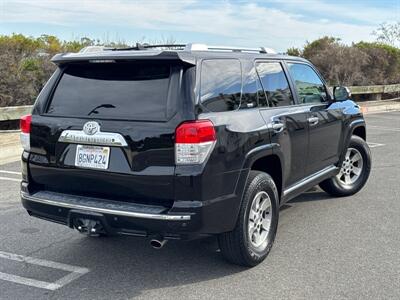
x: 271, y: 23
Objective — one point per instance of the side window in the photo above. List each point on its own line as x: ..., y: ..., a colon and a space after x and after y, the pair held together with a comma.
x: 275, y: 85
x: 221, y: 84
x: 308, y: 84
x: 251, y: 87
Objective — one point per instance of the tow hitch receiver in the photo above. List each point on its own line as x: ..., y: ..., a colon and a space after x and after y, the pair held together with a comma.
x: 88, y: 226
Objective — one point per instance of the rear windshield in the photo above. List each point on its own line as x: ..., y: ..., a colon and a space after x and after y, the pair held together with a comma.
x: 135, y: 91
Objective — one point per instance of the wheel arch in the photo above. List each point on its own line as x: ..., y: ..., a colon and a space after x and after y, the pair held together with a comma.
x: 272, y: 165
x: 267, y: 158
x: 360, y: 131
x: 356, y: 127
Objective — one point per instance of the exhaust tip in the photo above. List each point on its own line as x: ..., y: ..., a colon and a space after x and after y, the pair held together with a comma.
x: 157, y: 244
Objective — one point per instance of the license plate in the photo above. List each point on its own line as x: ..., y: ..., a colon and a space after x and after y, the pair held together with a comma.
x: 93, y: 157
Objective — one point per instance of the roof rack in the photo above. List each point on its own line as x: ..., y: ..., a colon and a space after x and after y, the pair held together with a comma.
x: 139, y: 46
x: 186, y: 47
x: 204, y: 47
x: 90, y: 49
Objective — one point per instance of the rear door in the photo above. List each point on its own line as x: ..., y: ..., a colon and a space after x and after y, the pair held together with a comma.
x: 325, y: 124
x: 288, y: 122
x: 108, y: 130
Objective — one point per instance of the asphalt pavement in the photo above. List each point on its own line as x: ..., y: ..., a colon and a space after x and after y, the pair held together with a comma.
x: 326, y: 248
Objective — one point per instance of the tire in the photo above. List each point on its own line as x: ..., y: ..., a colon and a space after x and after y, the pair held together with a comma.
x: 237, y: 246
x: 341, y: 186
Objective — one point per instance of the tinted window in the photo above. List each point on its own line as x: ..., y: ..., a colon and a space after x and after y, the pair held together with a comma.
x: 221, y: 84
x: 275, y: 85
x: 250, y: 91
x: 262, y: 98
x: 308, y: 84
x: 113, y: 90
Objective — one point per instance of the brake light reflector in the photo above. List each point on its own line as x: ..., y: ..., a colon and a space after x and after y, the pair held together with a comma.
x: 25, y: 123
x: 195, y: 132
x: 25, y: 126
x: 194, y: 141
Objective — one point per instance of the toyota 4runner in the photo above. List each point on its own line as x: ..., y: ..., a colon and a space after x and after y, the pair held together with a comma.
x: 187, y: 141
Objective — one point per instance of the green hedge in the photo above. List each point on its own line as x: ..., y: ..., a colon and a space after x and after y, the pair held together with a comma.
x: 357, y: 64
x: 25, y: 63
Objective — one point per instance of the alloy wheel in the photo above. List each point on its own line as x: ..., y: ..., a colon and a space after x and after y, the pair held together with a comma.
x: 259, y: 222
x: 352, y: 167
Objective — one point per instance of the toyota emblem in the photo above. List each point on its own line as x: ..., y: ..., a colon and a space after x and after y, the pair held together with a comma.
x: 91, y: 127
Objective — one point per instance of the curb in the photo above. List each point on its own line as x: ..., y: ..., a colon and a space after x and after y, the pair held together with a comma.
x: 10, y: 154
x: 378, y: 109
x: 380, y: 106
x: 10, y: 147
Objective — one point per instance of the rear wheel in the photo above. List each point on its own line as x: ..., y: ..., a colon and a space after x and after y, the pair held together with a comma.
x: 253, y: 236
x: 354, y: 171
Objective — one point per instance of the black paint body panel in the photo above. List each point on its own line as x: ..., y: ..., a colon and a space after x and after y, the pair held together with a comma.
x: 145, y: 172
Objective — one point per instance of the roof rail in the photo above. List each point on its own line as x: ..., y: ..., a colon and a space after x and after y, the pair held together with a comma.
x: 89, y: 49
x: 164, y: 46
x: 186, y: 47
x: 145, y: 46
x: 204, y: 47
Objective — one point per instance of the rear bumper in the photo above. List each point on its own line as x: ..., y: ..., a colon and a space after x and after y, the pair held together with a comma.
x: 186, y: 220
x: 104, y: 208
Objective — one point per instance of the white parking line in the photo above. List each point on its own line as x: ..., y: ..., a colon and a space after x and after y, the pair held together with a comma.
x: 10, y: 172
x: 374, y: 145
x: 10, y: 179
x: 27, y: 281
x: 373, y: 118
x: 384, y: 128
x: 75, y: 272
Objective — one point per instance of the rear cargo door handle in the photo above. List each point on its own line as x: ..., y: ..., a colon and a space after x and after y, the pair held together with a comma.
x: 313, y: 121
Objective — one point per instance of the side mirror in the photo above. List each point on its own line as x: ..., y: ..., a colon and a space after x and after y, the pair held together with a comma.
x: 341, y: 93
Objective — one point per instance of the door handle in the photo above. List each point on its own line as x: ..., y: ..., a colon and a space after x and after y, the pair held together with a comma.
x: 313, y: 120
x: 277, y: 127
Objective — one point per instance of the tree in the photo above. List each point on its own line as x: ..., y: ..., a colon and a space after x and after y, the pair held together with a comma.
x: 388, y: 33
x: 312, y: 48
x: 339, y: 64
x: 357, y: 64
x: 293, y: 51
x: 383, y: 62
x: 25, y: 63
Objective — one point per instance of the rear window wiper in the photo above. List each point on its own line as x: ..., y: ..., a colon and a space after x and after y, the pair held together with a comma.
x: 94, y: 110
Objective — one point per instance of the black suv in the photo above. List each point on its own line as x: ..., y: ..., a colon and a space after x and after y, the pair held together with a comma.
x: 187, y: 142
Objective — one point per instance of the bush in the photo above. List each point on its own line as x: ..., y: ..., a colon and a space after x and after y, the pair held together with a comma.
x: 383, y: 62
x: 358, y: 64
x: 25, y: 64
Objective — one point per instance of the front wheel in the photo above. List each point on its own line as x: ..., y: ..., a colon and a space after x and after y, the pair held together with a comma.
x: 253, y: 236
x: 354, y: 171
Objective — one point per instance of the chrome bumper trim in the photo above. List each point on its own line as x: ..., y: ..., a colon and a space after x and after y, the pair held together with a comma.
x: 140, y: 215
x: 99, y: 138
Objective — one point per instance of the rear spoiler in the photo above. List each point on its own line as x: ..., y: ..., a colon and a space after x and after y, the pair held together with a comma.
x: 109, y: 55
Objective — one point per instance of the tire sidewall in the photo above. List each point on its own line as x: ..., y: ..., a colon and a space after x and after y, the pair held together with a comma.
x: 364, y: 150
x: 262, y: 182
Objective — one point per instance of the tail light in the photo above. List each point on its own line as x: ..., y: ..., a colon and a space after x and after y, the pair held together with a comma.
x: 194, y: 141
x: 25, y: 126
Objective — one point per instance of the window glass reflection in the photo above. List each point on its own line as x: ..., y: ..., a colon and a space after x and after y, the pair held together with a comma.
x: 221, y: 84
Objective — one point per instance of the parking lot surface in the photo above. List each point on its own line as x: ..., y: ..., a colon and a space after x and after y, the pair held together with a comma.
x: 326, y: 248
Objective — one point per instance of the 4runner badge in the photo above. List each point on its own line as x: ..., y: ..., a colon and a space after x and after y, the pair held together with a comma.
x: 91, y: 127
